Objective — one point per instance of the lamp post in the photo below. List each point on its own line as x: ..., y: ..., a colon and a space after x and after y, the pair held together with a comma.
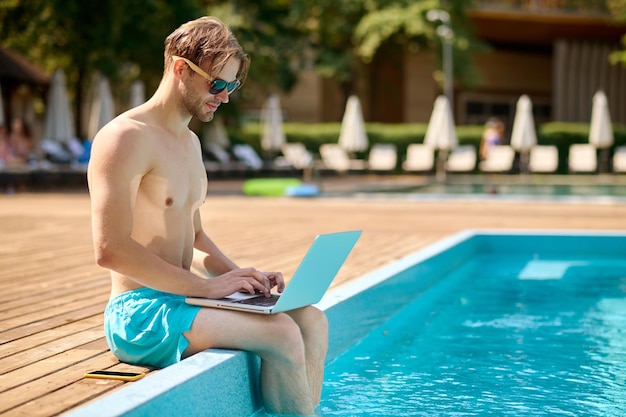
x: 445, y: 32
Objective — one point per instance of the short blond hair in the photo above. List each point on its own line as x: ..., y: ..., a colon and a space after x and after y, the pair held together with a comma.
x: 206, y: 39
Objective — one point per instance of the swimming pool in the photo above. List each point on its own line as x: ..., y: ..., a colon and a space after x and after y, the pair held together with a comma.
x: 471, y: 347
x: 524, y: 325
x: 610, y: 188
x: 539, y: 189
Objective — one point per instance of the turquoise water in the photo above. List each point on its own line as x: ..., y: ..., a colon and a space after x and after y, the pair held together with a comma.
x: 519, y: 189
x: 530, y: 189
x: 505, y: 334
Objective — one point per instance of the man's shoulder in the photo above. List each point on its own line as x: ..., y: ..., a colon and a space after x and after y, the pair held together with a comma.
x: 124, y: 126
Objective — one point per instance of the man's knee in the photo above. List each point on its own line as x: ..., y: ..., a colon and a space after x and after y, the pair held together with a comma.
x: 313, y: 323
x: 287, y: 340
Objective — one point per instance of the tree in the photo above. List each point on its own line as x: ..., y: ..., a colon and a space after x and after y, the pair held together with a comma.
x: 404, y: 23
x: 120, y: 39
x: 270, y: 32
x: 336, y: 37
x: 618, y: 10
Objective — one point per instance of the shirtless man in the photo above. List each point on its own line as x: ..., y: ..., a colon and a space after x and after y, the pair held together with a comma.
x: 147, y: 182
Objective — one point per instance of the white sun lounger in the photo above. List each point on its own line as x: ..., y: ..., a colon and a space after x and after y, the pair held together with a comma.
x: 619, y: 159
x: 382, y: 157
x: 419, y: 158
x: 461, y: 159
x: 582, y: 158
x: 543, y: 159
x: 499, y: 159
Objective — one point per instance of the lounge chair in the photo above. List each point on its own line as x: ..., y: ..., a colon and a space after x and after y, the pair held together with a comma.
x: 461, y: 159
x: 543, y: 159
x: 619, y: 160
x: 222, y: 161
x: 499, y: 159
x: 419, y: 158
x: 382, y: 158
x: 334, y: 157
x: 297, y: 155
x: 582, y: 158
x: 246, y: 154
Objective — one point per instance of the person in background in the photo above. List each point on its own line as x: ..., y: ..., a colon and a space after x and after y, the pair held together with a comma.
x: 20, y: 142
x: 4, y: 145
x: 147, y: 182
x: 492, y: 136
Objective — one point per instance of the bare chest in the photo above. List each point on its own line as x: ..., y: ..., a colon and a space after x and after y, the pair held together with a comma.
x: 177, y: 179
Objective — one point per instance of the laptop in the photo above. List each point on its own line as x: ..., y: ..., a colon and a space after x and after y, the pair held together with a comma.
x: 308, y: 284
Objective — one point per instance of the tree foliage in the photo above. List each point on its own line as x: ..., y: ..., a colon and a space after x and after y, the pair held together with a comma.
x: 118, y: 39
x: 404, y: 22
x: 123, y: 40
x: 618, y: 10
x: 271, y: 33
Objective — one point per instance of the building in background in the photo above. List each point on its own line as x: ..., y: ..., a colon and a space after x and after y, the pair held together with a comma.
x: 555, y: 51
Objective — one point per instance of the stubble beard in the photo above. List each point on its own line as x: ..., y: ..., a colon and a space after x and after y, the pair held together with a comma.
x: 195, y: 105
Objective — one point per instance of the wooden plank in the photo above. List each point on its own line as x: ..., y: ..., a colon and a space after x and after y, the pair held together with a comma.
x: 41, y: 396
x: 42, y: 315
x: 48, y: 335
x: 96, y: 283
x: 26, y: 308
x: 50, y: 322
x: 41, y: 368
x: 74, y: 395
x: 47, y: 350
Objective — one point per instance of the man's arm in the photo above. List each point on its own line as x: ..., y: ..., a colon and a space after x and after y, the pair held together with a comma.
x: 208, y: 258
x: 210, y: 261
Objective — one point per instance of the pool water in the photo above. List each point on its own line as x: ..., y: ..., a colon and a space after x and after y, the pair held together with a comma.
x: 504, y: 334
x: 528, y: 189
x: 513, y: 189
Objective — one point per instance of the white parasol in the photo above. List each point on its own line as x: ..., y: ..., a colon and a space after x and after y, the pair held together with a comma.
x: 215, y: 133
x: 441, y: 133
x: 102, y: 107
x: 59, y: 123
x: 353, y: 137
x: 137, y: 93
x: 273, y: 136
x: 523, y: 135
x: 601, y: 130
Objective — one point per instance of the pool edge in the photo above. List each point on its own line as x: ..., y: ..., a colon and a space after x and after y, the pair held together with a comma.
x: 226, y: 382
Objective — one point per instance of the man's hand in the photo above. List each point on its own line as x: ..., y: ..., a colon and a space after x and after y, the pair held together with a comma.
x: 247, y: 280
x: 276, y: 280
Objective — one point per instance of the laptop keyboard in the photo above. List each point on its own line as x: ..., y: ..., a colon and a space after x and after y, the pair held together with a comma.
x: 261, y: 300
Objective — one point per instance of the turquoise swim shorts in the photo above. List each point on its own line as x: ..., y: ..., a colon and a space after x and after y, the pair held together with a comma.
x: 145, y: 327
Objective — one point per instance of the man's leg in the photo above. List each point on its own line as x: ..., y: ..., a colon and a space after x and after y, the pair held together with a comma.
x: 276, y: 339
x: 314, y: 328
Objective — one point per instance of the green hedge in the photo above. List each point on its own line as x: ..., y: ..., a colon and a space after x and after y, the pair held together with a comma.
x: 312, y: 136
x: 562, y: 135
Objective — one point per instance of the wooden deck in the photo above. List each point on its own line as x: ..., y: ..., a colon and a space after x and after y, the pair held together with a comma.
x: 52, y: 294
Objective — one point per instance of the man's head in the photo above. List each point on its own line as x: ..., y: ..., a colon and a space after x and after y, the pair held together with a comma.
x: 210, y: 63
x: 207, y: 43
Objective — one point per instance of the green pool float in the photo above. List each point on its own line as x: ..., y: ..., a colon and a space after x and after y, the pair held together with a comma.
x: 269, y: 187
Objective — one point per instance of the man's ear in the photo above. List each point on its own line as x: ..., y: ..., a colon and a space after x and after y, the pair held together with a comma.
x: 178, y: 66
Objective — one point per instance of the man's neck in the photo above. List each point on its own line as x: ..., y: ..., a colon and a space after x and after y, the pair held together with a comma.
x: 165, y: 104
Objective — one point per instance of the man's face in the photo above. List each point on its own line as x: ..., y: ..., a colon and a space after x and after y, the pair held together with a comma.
x: 197, y: 98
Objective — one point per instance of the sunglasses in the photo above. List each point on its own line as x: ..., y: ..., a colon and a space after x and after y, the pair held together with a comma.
x: 216, y: 85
